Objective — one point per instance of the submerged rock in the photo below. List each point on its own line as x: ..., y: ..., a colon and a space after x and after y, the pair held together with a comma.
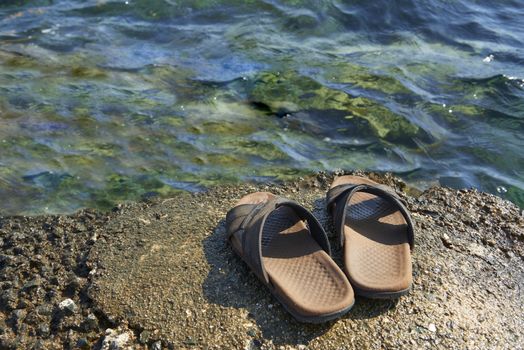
x: 288, y: 93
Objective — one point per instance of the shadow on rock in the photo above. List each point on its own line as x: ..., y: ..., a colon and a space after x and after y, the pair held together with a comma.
x: 230, y: 283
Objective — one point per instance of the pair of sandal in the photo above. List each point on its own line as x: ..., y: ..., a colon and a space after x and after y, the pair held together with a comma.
x: 288, y: 250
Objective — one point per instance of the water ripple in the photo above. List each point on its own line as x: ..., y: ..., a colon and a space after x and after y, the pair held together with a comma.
x: 107, y: 100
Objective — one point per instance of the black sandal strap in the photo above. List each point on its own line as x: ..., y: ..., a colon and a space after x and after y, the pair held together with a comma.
x: 340, y: 196
x: 250, y: 220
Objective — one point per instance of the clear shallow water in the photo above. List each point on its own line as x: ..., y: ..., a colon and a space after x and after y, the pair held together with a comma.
x: 103, y: 101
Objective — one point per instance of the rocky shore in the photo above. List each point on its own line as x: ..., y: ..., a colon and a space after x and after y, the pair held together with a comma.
x: 159, y: 275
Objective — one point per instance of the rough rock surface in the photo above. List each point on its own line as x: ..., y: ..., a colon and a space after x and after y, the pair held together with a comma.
x: 161, y: 275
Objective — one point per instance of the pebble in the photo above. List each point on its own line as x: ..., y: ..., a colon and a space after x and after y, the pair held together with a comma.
x: 82, y: 343
x: 68, y: 306
x: 432, y: 328
x: 43, y: 330
x: 156, y: 345
x: 44, y: 310
x: 18, y: 316
x: 31, y: 284
x: 90, y: 323
x: 8, y: 298
x: 250, y: 345
x: 115, y: 341
x: 144, y: 337
x: 477, y: 250
x: 446, y: 241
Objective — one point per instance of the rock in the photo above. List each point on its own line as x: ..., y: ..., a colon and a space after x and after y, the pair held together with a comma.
x: 221, y: 294
x: 8, y: 343
x: 72, y: 284
x: 23, y: 303
x: 43, y: 330
x: 477, y: 250
x: 250, y: 345
x: 82, y: 343
x: 58, y: 232
x: 446, y: 240
x: 156, y: 345
x: 44, y: 310
x: 90, y: 323
x: 115, y: 341
x: 67, y: 306
x: 5, y: 260
x: 17, y: 317
x: 32, y: 284
x: 144, y: 337
x: 39, y: 345
x: 8, y: 299
x: 32, y: 319
x: 79, y: 227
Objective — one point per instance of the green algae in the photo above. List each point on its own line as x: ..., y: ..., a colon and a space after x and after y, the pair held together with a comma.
x: 172, y: 121
x: 95, y: 148
x: 489, y: 155
x: 289, y: 92
x: 120, y: 134
x: 263, y: 149
x: 221, y: 128
x: 356, y: 75
x: 220, y: 159
x: 88, y: 73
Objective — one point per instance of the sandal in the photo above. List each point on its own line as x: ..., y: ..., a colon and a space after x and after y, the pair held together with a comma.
x: 376, y: 231
x: 288, y: 250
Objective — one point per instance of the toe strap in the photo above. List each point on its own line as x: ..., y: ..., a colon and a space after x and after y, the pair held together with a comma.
x: 340, y: 196
x: 249, y: 221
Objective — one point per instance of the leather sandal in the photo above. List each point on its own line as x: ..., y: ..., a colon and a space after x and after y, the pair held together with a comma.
x: 288, y: 250
x: 375, y: 229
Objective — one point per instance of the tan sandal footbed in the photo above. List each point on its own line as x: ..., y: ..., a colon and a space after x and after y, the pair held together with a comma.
x: 301, y: 275
x: 377, y: 256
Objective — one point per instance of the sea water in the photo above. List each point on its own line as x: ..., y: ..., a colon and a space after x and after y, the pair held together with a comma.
x: 104, y: 101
